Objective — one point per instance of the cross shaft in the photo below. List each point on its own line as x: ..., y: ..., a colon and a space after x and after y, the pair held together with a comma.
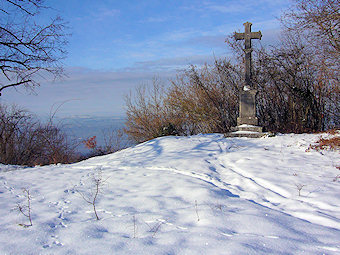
x: 247, y: 36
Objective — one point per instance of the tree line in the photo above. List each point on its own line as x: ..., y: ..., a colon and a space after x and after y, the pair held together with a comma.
x: 297, y: 82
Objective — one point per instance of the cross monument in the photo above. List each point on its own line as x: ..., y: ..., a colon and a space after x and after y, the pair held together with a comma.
x: 247, y: 120
x: 247, y: 108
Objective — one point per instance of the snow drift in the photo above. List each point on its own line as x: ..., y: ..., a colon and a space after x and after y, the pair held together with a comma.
x: 204, y: 194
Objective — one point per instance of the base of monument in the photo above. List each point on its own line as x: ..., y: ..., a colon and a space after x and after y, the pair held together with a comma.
x: 253, y: 121
x: 246, y: 130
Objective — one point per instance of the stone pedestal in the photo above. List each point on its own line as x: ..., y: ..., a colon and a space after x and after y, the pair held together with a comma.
x: 247, y: 121
x: 247, y: 113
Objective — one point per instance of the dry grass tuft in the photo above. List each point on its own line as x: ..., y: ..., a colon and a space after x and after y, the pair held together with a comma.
x: 326, y: 144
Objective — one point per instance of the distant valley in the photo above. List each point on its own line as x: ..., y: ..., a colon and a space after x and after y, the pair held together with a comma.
x: 84, y: 127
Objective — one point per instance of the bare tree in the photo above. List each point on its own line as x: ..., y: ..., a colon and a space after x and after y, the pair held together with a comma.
x: 291, y: 98
x: 29, y: 50
x: 319, y: 20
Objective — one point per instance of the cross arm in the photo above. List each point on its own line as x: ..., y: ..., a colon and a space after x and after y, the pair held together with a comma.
x: 256, y: 35
x: 239, y: 36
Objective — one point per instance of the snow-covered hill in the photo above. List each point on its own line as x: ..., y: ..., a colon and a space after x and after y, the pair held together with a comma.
x: 203, y: 194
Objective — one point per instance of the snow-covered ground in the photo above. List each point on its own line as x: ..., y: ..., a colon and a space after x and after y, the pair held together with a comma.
x: 203, y: 194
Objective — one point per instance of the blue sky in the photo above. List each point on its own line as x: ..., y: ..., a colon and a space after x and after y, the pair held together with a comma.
x: 118, y: 45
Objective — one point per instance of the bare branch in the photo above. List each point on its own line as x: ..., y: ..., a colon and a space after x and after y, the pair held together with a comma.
x: 26, y: 10
x: 29, y: 48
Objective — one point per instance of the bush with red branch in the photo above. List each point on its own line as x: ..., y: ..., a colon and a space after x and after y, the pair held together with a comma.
x: 91, y: 143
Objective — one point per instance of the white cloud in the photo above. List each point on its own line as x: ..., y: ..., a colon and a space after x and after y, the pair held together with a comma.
x: 155, y: 19
x: 105, y: 13
x: 229, y: 7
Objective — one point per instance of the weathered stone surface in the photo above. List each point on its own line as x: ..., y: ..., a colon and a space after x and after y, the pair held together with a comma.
x: 247, y: 108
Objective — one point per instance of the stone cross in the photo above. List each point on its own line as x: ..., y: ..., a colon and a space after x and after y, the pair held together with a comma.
x: 247, y: 111
x: 247, y: 36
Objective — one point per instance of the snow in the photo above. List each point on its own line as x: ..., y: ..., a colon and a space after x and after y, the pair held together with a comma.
x: 245, y: 132
x: 204, y: 194
x: 246, y: 88
x: 246, y: 126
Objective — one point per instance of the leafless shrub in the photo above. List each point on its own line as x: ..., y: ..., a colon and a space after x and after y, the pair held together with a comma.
x: 199, y: 100
x: 155, y: 228
x: 147, y: 112
x: 26, y: 141
x: 299, y: 188
x: 58, y: 148
x: 292, y: 95
x: 114, y: 140
x: 216, y: 207
x: 206, y: 98
x: 93, y: 191
x: 26, y: 209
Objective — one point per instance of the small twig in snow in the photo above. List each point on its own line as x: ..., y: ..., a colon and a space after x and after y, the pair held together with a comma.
x: 196, y: 208
x: 299, y: 187
x: 154, y: 229
x: 26, y: 209
x: 91, y: 198
x: 134, y: 226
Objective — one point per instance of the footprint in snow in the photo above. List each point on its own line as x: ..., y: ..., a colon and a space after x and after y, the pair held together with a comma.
x: 56, y: 242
